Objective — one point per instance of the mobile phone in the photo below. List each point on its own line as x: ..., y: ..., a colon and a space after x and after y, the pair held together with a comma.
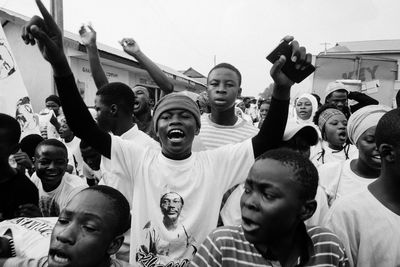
x: 296, y: 75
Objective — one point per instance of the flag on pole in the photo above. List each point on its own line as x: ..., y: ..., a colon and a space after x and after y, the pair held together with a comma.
x: 14, y: 99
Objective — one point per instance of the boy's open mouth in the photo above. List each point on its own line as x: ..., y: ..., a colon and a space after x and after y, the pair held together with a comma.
x: 59, y: 257
x: 249, y: 225
x: 175, y: 134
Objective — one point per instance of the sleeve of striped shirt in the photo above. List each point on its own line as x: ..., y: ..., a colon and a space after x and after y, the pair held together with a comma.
x: 209, y: 254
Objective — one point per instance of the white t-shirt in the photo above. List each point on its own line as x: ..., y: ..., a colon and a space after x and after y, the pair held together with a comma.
x: 113, y: 176
x: 231, y: 213
x: 200, y: 181
x: 75, y: 152
x: 51, y: 203
x: 330, y: 155
x: 31, y: 236
x: 338, y: 179
x: 369, y: 231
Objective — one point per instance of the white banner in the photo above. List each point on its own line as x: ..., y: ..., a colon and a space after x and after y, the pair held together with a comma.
x: 14, y: 99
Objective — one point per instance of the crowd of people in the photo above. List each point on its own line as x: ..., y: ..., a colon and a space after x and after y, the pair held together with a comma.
x: 196, y: 182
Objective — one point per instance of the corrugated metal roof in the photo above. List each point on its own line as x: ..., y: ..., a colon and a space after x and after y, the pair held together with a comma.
x: 6, y: 14
x: 372, y: 46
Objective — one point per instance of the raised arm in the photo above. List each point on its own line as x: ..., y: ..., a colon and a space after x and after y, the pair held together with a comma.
x: 132, y: 48
x: 47, y: 35
x: 88, y: 37
x: 273, y: 128
x: 362, y: 99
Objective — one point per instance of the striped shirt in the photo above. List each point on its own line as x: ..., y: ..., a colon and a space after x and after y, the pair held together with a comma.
x: 227, y: 246
x: 213, y: 135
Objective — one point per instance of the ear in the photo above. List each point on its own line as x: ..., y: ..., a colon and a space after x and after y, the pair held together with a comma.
x: 151, y: 102
x: 308, y: 209
x: 115, y: 244
x: 197, y: 130
x: 387, y: 152
x: 114, y: 109
x: 239, y: 91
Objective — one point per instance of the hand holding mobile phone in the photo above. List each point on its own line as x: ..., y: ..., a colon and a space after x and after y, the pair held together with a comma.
x: 289, y: 69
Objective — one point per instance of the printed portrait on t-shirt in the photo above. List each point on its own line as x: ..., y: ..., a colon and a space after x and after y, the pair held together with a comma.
x: 167, y: 242
x: 25, y: 115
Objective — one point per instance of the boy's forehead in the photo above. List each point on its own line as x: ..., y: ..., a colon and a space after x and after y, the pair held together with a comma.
x: 140, y: 88
x: 220, y: 72
x: 90, y: 202
x: 47, y: 150
x: 268, y: 170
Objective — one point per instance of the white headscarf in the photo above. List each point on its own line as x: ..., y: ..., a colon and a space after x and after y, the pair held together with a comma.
x: 363, y: 119
x: 314, y: 109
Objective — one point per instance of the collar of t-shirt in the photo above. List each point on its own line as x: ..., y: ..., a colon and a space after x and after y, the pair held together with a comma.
x: 130, y: 133
x: 238, y: 123
x: 304, y: 241
x: 174, y: 163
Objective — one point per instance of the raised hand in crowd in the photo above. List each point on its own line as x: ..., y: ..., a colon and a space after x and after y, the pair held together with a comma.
x: 281, y: 92
x: 45, y: 32
x: 23, y: 160
x: 88, y: 35
x: 130, y: 46
x: 299, y: 56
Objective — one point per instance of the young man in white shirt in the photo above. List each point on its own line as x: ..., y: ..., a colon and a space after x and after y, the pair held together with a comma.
x: 175, y: 168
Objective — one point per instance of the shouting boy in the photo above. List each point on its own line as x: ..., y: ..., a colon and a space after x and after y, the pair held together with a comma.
x: 175, y: 168
x: 278, y: 198
x: 88, y: 231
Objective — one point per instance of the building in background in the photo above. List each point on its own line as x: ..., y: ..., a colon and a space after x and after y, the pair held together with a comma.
x: 195, y: 75
x: 118, y: 66
x: 374, y: 64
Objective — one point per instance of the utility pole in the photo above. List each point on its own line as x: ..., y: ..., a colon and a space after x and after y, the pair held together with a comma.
x: 215, y: 60
x: 57, y: 12
x: 325, y: 44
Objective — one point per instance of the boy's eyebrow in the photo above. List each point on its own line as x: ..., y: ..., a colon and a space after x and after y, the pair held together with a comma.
x: 87, y: 214
x: 259, y: 184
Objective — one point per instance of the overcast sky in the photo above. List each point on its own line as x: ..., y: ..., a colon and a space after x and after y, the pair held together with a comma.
x: 188, y: 33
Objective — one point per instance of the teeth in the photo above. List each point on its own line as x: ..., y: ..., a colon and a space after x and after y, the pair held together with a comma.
x: 60, y: 259
x: 176, y: 131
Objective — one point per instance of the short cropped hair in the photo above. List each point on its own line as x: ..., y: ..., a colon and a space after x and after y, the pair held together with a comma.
x: 120, y: 206
x: 51, y: 142
x: 388, y: 129
x: 10, y: 129
x: 119, y: 94
x: 227, y: 66
x: 305, y: 172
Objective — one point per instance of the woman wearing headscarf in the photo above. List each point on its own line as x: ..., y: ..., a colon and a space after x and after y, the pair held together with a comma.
x: 342, y: 178
x: 306, y: 106
x: 333, y: 146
